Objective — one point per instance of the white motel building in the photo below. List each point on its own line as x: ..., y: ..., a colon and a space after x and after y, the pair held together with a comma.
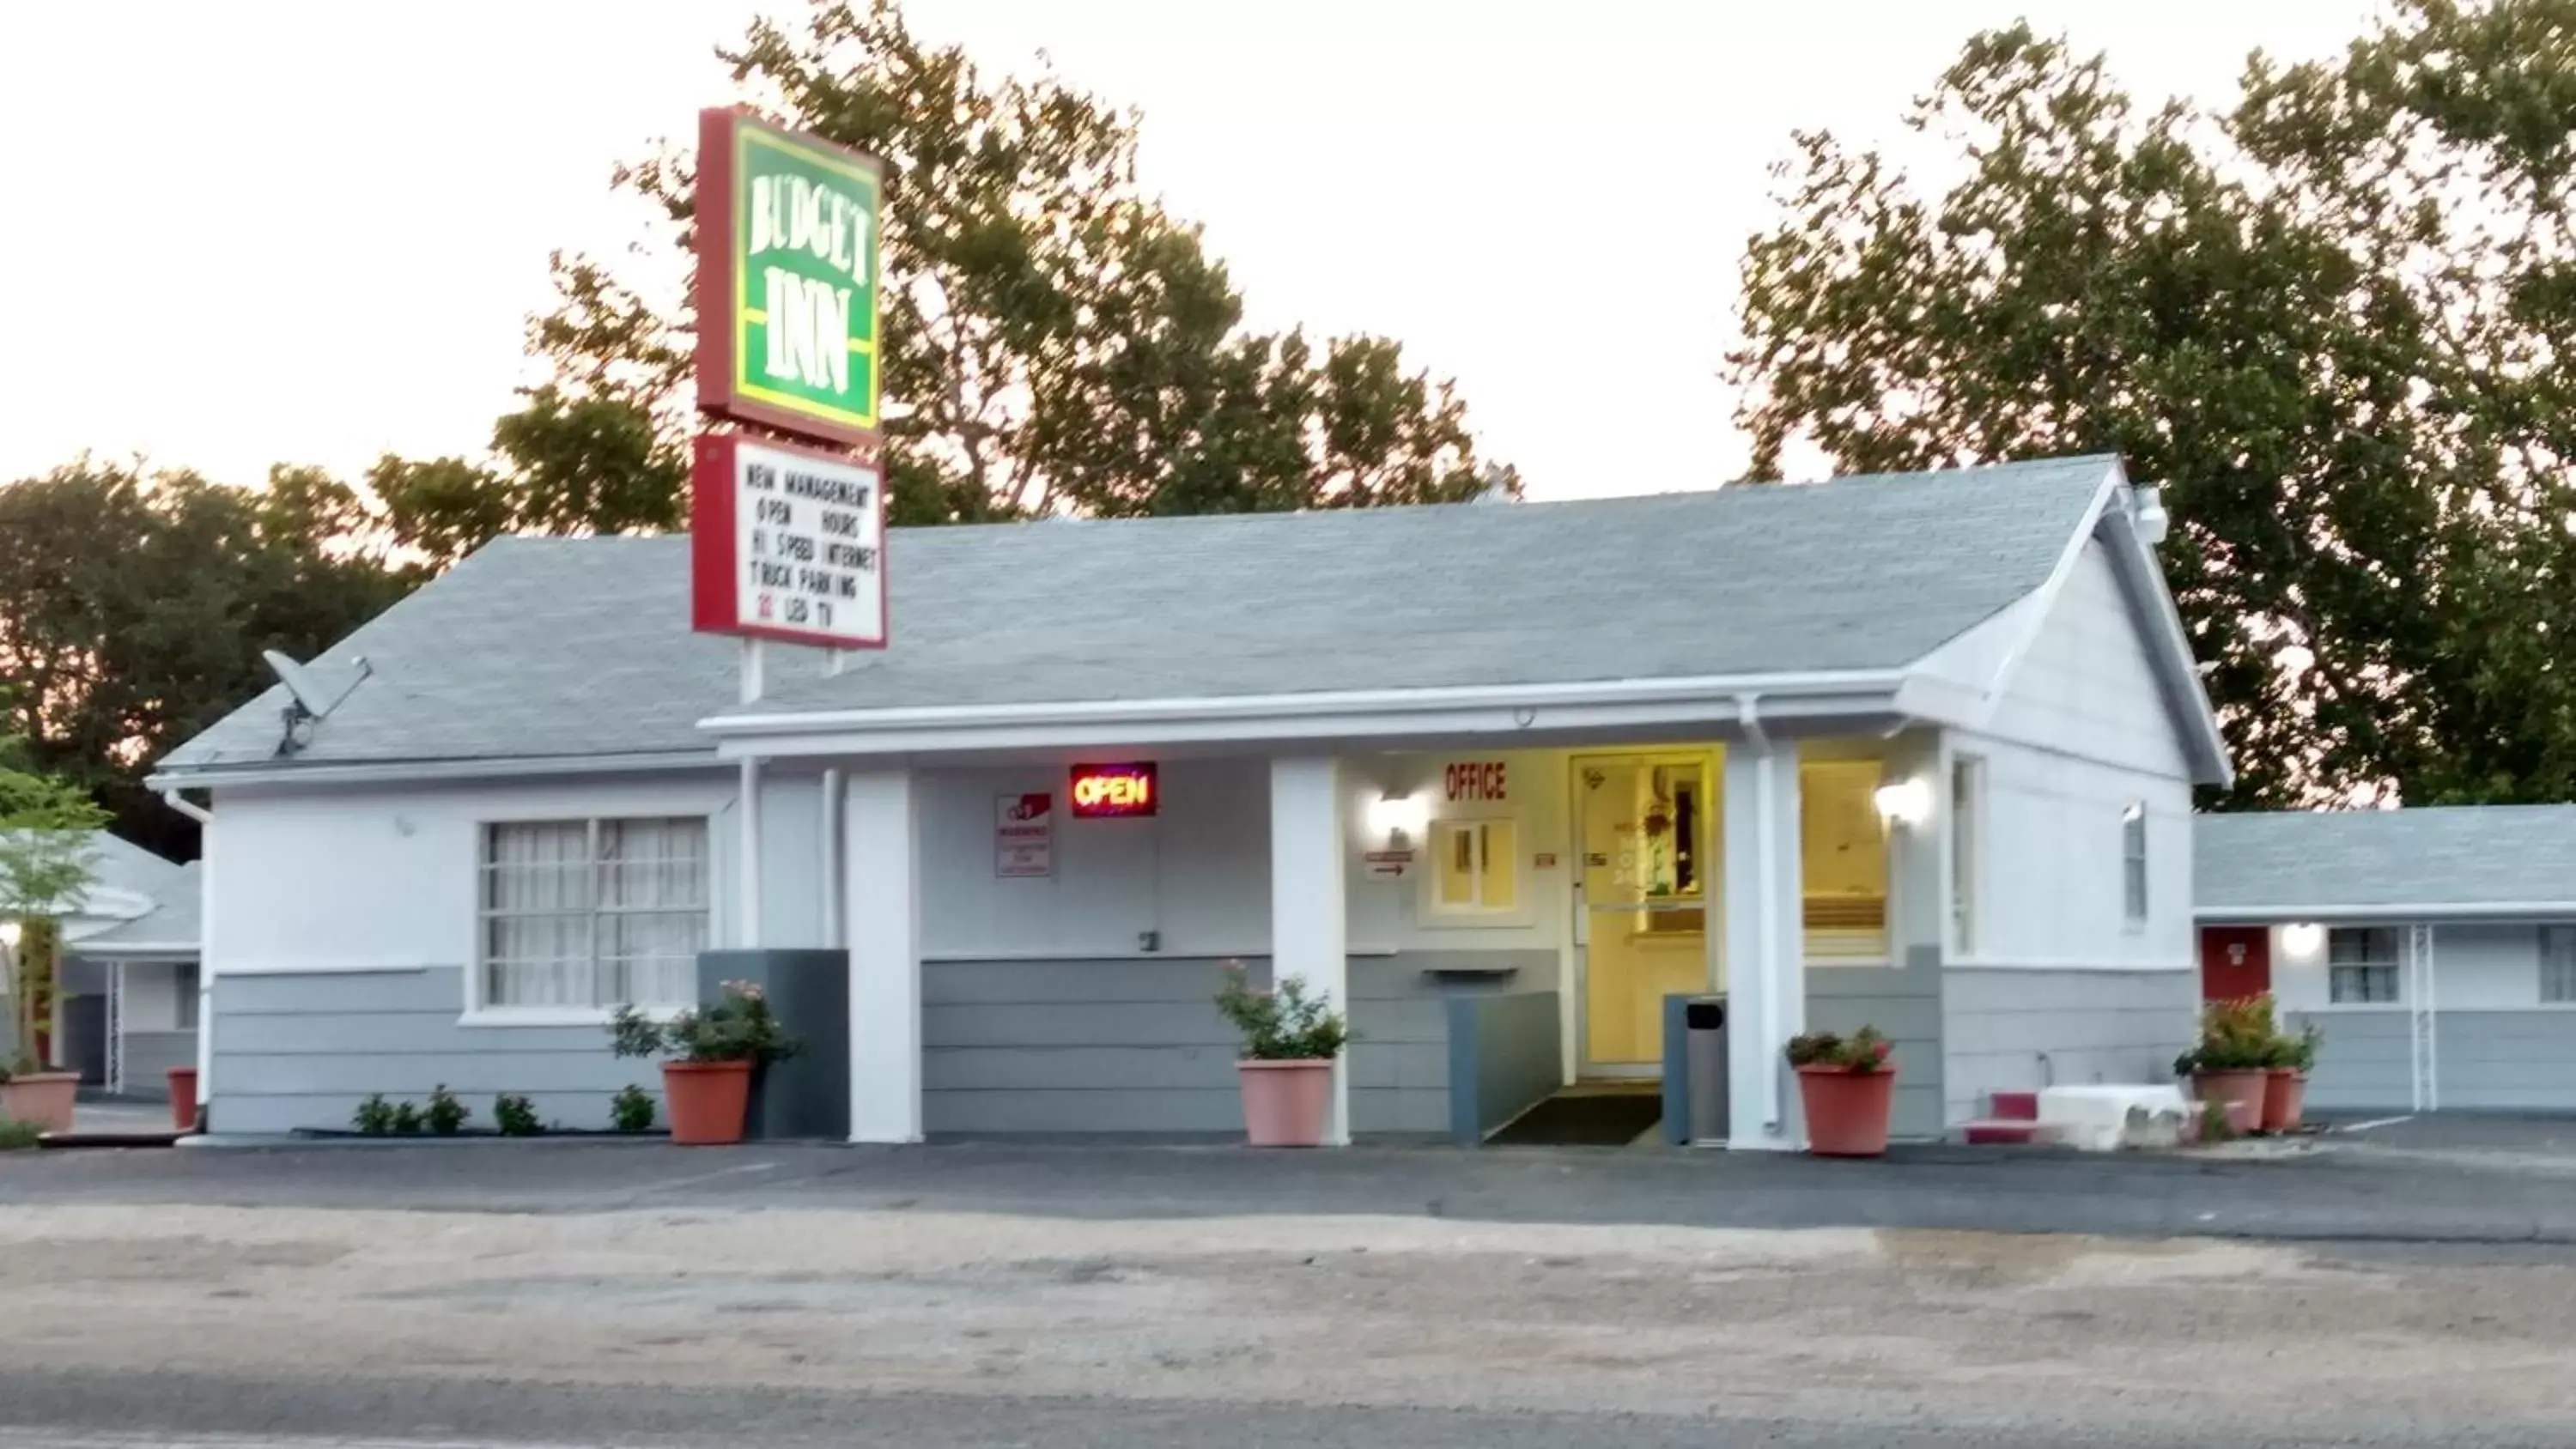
x: 1915, y: 751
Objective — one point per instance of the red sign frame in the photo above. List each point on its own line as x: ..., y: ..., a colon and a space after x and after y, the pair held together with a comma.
x: 1144, y: 770
x: 715, y: 287
x: 715, y: 568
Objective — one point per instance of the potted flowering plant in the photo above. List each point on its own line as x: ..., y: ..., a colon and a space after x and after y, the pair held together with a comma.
x: 1290, y: 1039
x: 2231, y: 1064
x: 1848, y: 1086
x: 712, y: 1051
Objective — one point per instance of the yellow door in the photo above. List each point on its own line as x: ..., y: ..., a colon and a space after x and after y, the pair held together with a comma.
x: 1646, y: 825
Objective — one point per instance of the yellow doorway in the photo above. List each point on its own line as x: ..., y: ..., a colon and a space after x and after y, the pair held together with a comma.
x: 1646, y: 838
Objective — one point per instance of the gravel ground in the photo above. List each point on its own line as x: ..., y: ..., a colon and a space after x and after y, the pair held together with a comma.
x: 933, y: 1327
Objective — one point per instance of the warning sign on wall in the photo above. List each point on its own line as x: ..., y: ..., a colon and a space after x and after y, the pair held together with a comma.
x: 1024, y: 835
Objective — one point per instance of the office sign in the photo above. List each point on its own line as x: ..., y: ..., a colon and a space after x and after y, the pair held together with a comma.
x: 788, y: 270
x: 1108, y: 792
x: 786, y: 543
x: 1477, y: 780
x: 1024, y: 835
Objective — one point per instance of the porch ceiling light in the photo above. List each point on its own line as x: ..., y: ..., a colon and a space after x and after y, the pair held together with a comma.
x: 2302, y: 940
x: 8, y: 935
x: 1398, y: 816
x: 1906, y: 802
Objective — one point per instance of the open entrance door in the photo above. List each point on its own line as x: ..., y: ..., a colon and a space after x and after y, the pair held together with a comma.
x: 2235, y: 961
x: 1646, y: 827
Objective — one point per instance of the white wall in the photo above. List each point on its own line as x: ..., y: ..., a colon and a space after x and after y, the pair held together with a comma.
x: 2484, y: 967
x: 1198, y: 872
x: 381, y: 877
x: 2082, y: 732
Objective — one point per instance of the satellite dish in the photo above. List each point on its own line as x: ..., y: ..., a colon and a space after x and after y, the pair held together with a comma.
x: 312, y: 699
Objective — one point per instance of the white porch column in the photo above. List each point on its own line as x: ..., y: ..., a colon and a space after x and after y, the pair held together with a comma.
x: 1308, y: 868
x: 1766, y: 990
x: 882, y: 925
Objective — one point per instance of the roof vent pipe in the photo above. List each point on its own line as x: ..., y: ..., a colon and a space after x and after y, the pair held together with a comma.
x: 2147, y: 506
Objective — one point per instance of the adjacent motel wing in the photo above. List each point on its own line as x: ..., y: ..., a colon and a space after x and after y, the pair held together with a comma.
x: 1915, y: 751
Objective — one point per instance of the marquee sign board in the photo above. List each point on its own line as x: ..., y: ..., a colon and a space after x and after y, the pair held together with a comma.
x: 788, y: 267
x: 786, y: 543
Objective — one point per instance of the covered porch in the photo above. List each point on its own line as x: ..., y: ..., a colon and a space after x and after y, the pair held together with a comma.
x: 1502, y: 913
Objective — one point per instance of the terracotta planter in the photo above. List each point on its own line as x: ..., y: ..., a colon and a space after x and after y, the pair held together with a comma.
x: 2240, y: 1093
x: 707, y: 1101
x: 1285, y: 1103
x: 41, y: 1098
x: 2285, y: 1097
x: 1847, y: 1111
x: 183, y: 1099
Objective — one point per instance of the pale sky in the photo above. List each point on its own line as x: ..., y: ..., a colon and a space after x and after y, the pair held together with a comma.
x: 246, y: 233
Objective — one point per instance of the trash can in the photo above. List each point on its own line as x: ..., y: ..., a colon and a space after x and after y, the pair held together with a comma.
x: 1704, y: 1050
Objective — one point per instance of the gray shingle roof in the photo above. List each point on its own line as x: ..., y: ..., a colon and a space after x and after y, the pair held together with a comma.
x: 551, y: 647
x: 2462, y: 857
x: 175, y: 920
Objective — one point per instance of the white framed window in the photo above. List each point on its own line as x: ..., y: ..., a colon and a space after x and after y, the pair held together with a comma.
x: 1475, y: 867
x: 2133, y: 863
x: 1967, y: 848
x: 2558, y: 963
x: 2361, y: 965
x: 592, y: 914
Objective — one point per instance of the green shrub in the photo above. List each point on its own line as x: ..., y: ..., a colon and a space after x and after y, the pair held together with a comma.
x: 1862, y: 1052
x: 516, y: 1116
x: 737, y: 1026
x: 374, y: 1117
x: 1285, y: 1025
x: 633, y: 1110
x: 18, y: 1136
x: 447, y: 1116
x: 407, y: 1119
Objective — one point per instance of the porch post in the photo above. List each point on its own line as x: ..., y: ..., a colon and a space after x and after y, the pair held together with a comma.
x: 1307, y: 921
x: 882, y: 922
x: 1766, y: 994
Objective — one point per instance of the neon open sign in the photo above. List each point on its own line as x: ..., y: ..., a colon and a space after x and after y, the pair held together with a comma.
x: 1110, y: 791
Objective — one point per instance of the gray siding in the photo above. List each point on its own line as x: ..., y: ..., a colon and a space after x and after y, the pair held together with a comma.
x: 1904, y: 1003
x: 2020, y: 1030
x: 1136, y: 1046
x: 302, y: 1050
x: 149, y: 1056
x: 1506, y: 1052
x: 2505, y: 1060
x: 2365, y: 1060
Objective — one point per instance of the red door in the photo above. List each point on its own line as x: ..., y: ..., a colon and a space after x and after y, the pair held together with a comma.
x: 2235, y: 961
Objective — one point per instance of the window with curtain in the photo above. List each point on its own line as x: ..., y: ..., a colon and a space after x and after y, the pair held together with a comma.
x: 593, y: 913
x: 2558, y: 963
x: 2361, y: 965
x: 1476, y: 866
x: 185, y: 978
x: 1967, y: 847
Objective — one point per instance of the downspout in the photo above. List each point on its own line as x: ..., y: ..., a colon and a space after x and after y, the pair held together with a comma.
x: 204, y: 817
x: 835, y: 903
x: 1766, y: 818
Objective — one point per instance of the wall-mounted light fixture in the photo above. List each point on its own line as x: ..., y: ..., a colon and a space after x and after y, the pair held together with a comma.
x: 1904, y: 802
x: 2303, y: 941
x: 1397, y: 819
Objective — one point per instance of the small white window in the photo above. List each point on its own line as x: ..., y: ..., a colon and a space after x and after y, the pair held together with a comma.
x: 2133, y: 861
x: 1475, y: 867
x: 593, y: 913
x: 2558, y: 963
x: 1967, y: 848
x: 2361, y: 964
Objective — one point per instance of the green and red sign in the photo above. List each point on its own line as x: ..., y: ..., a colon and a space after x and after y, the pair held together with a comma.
x: 787, y: 279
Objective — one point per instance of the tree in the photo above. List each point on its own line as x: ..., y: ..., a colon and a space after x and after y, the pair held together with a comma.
x: 2329, y: 319
x: 133, y: 611
x: 45, y: 852
x: 1053, y: 340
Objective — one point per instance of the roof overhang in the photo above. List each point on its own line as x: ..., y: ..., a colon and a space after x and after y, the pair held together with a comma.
x: 1535, y: 713
x: 2400, y: 912
x: 381, y: 772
